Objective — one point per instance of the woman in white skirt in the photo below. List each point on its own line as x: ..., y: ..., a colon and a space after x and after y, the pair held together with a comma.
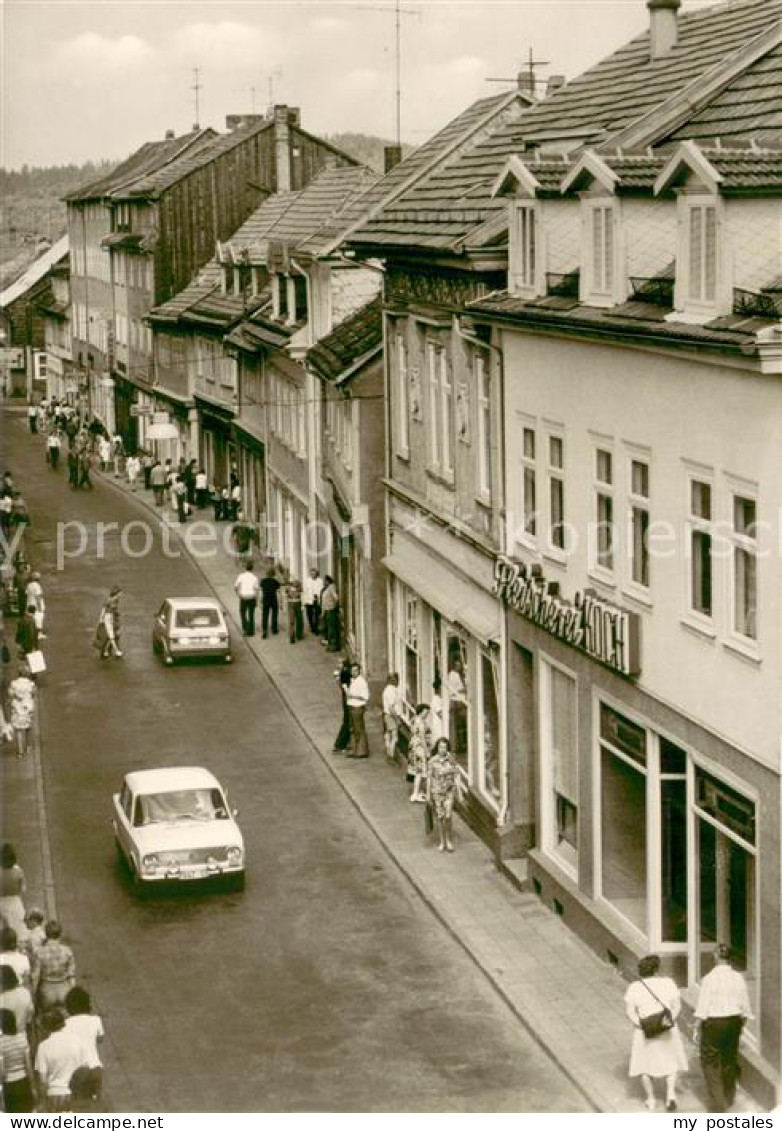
x: 663, y: 1055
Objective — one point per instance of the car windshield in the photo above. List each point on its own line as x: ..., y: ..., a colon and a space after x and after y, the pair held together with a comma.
x: 181, y: 805
x: 196, y: 618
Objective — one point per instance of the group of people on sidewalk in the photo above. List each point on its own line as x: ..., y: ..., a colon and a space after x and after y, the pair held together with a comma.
x: 49, y: 1034
x: 316, y: 598
x: 653, y: 1004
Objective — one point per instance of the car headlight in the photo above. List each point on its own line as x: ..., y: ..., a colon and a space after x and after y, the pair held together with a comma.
x: 234, y: 855
x: 151, y: 861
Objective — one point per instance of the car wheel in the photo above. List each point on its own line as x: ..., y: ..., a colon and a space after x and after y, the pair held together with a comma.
x: 236, y: 881
x: 122, y: 862
x: 137, y: 884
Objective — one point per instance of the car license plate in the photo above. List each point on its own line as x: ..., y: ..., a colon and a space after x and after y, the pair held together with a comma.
x: 197, y: 873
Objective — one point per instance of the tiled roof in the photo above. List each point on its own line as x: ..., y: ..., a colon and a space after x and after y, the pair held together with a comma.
x: 260, y: 330
x: 586, y: 112
x: 747, y: 169
x: 356, y: 338
x: 632, y: 319
x: 151, y: 156
x: 35, y: 272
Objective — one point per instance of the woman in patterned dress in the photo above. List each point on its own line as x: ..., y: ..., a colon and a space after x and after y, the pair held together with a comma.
x: 418, y: 751
x: 443, y: 786
x: 21, y: 708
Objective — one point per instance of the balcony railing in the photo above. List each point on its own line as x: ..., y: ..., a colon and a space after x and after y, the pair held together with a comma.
x: 657, y: 289
x: 757, y: 304
x: 563, y: 285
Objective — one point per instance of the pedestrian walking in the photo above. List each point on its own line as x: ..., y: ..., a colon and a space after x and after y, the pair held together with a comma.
x: 270, y: 609
x: 85, y: 467
x: 107, y: 631
x: 55, y: 969
x: 343, y: 676
x: 6, y: 506
x: 313, y: 587
x: 357, y: 695
x: 722, y: 1011
x: 11, y: 955
x: 436, y: 713
x: 201, y: 489
x: 21, y: 710
x: 117, y: 454
x: 247, y: 587
x: 329, y: 603
x: 132, y: 470
x: 12, y: 887
x: 27, y: 633
x: 21, y: 579
x: 147, y: 463
x: 15, y: 997
x: 104, y: 452
x: 73, y: 467
x: 188, y: 478
x: 652, y: 1004
x: 20, y: 515
x: 418, y: 752
x: 87, y: 1027
x: 58, y: 1057
x: 18, y: 1087
x: 392, y: 715
x: 53, y: 445
x: 295, y: 616
x: 35, y: 599
x: 157, y: 481
x: 32, y: 418
x: 443, y: 786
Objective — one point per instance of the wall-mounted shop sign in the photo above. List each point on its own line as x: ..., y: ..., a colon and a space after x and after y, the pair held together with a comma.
x: 605, y: 632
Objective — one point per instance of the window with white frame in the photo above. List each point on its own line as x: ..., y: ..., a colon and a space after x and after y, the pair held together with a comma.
x: 523, y: 246
x: 603, y: 542
x: 402, y: 397
x: 407, y: 639
x: 744, y: 567
x: 700, y: 587
x: 559, y: 766
x: 556, y: 484
x: 440, y: 410
x: 482, y: 377
x: 702, y: 253
x: 638, y: 506
x: 601, y: 249
x: 529, y: 518
x: 489, y: 726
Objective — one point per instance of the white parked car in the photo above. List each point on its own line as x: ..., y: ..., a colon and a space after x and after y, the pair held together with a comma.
x: 191, y: 627
x: 176, y: 824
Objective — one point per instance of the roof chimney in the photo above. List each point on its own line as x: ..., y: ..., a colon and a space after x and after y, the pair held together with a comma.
x: 392, y: 155
x: 663, y: 25
x: 170, y: 135
x: 282, y: 143
x: 555, y: 82
x: 525, y: 81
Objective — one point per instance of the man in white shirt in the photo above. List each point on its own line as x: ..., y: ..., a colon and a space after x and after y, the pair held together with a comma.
x: 357, y: 697
x: 313, y: 587
x: 392, y: 702
x: 57, y: 1059
x: 35, y: 599
x: 247, y: 587
x: 723, y: 1008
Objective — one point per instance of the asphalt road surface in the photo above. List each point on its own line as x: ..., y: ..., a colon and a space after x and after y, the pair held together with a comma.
x: 327, y: 985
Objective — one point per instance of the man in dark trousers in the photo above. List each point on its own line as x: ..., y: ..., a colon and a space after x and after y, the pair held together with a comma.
x: 247, y: 586
x: 27, y: 632
x: 270, y: 607
x: 344, y: 676
x: 723, y: 1009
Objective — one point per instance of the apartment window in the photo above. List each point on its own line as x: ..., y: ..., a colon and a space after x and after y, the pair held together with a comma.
x: 745, y: 584
x: 524, y: 249
x: 559, y: 767
x: 556, y: 478
x: 702, y: 273
x: 528, y: 482
x: 604, y: 509
x: 701, y: 541
x: 440, y: 410
x: 483, y: 386
x: 602, y: 249
x: 639, y: 522
x: 403, y: 404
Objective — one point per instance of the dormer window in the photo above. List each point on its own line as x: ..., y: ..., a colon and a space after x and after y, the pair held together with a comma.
x: 523, y: 247
x: 702, y: 259
x: 280, y: 296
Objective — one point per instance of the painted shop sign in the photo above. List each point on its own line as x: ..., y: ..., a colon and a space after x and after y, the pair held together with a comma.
x: 605, y: 632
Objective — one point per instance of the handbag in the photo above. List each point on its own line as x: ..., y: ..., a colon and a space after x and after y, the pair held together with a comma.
x: 655, y: 1024
x: 36, y: 662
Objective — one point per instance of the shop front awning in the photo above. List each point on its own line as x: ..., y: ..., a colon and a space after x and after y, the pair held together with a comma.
x: 458, y: 600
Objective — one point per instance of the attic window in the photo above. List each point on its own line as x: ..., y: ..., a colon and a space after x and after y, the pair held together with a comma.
x: 702, y: 274
x: 523, y: 247
x: 280, y: 295
x: 601, y: 273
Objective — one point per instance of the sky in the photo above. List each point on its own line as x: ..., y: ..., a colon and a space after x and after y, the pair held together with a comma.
x: 94, y: 79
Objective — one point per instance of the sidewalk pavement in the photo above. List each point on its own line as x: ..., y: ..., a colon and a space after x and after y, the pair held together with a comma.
x: 569, y: 999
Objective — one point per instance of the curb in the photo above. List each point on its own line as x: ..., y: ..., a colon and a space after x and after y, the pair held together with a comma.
x: 571, y: 1070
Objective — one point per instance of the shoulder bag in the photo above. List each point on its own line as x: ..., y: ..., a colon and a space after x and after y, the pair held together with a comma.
x: 655, y: 1024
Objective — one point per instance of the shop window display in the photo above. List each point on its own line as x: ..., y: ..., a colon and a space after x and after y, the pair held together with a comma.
x: 623, y: 815
x: 490, y: 736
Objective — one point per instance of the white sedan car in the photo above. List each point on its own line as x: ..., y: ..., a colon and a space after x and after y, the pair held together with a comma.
x: 190, y: 628
x: 176, y: 824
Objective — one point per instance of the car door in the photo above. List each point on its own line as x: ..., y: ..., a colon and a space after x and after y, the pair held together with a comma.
x: 123, y: 809
x: 161, y: 626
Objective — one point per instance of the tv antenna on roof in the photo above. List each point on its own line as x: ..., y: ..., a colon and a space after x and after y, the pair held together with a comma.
x: 197, y: 87
x: 526, y: 78
x: 275, y: 74
x: 397, y: 12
